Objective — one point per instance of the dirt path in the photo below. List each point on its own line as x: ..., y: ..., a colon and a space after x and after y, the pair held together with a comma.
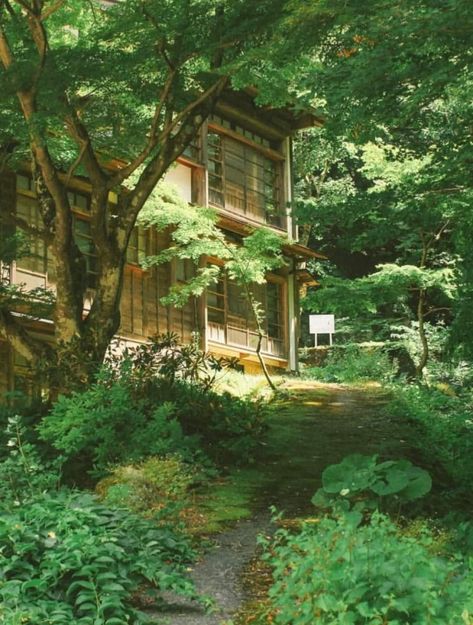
x: 316, y: 426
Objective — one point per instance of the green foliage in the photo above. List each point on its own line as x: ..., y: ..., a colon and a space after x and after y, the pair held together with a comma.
x: 354, y: 363
x: 389, y: 172
x: 157, y: 400
x: 229, y: 427
x: 444, y: 422
x: 67, y: 559
x: 337, y: 571
x: 367, y: 482
x: 107, y: 424
x: 24, y: 473
x: 166, y: 358
x: 195, y: 234
x: 123, y: 54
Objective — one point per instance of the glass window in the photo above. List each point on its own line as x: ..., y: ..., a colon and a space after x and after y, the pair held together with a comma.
x: 84, y: 241
x: 216, y: 302
x: 228, y: 304
x: 78, y: 201
x: 35, y: 260
x: 136, y: 249
x: 185, y: 269
x: 243, y: 179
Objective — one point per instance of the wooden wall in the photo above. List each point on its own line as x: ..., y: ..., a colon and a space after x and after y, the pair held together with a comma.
x: 143, y: 315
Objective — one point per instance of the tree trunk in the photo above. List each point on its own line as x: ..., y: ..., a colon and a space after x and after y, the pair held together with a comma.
x: 259, y: 329
x: 424, y: 356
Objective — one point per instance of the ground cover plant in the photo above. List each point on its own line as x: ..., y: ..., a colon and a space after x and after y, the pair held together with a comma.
x: 66, y: 558
x: 340, y: 571
x: 353, y: 565
x: 443, y: 417
x: 69, y: 556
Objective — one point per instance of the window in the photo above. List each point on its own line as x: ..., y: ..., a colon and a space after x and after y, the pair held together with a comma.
x: 228, y: 307
x: 192, y: 151
x: 185, y: 269
x: 243, y: 179
x: 78, y: 201
x: 274, y: 316
x: 136, y: 249
x: 83, y: 239
x: 27, y: 209
x: 216, y: 302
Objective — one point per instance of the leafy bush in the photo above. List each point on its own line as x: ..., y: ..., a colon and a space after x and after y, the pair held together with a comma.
x: 354, y: 363
x: 23, y: 472
x: 368, y: 482
x: 445, y: 425
x: 229, y: 426
x: 67, y: 559
x: 337, y: 571
x: 166, y: 358
x: 134, y: 411
x: 149, y: 486
x: 107, y: 424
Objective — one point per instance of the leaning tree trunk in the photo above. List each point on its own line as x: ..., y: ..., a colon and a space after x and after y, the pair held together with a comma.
x: 259, y: 329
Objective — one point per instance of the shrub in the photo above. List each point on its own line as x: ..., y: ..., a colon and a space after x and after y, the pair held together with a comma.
x: 337, y: 571
x: 229, y: 426
x: 148, y: 404
x: 354, y: 363
x: 166, y: 358
x: 445, y: 426
x: 24, y: 473
x: 67, y: 559
x: 107, y: 424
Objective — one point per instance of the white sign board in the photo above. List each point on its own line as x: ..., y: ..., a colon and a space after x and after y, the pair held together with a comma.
x: 322, y: 324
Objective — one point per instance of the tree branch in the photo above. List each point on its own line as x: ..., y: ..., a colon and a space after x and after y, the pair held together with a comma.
x: 81, y: 136
x: 24, y: 5
x: 126, y: 171
x: 173, y: 147
x: 216, y: 88
x: 52, y: 9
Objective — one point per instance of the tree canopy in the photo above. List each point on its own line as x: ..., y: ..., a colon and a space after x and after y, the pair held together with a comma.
x: 115, y: 92
x: 388, y: 181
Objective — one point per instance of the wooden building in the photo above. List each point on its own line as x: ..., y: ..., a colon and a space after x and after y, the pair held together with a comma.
x: 241, y: 165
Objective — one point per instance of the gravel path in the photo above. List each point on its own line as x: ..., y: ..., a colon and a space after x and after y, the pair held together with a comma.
x: 317, y: 426
x: 218, y: 575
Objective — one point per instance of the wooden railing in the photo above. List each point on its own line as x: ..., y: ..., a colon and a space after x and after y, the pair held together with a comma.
x: 233, y: 336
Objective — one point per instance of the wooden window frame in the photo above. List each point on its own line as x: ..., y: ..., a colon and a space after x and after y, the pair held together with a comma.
x: 278, y: 220
x: 31, y: 195
x: 271, y: 279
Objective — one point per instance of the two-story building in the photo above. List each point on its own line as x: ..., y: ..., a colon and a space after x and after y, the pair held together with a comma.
x: 240, y: 164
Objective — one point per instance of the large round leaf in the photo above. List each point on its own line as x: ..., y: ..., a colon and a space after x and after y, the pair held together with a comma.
x: 354, y: 473
x: 393, y: 481
x: 419, y: 484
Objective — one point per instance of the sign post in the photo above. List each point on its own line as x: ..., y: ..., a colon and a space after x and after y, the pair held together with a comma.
x: 322, y: 324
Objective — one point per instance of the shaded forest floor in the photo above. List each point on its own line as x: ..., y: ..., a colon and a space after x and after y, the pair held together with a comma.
x: 314, y: 425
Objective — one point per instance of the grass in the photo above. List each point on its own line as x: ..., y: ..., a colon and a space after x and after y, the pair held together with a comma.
x: 230, y: 499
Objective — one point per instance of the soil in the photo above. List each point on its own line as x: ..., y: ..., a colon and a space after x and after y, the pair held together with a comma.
x: 314, y: 426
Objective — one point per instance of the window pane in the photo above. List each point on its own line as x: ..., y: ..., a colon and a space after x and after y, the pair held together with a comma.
x: 35, y: 258
x: 24, y: 183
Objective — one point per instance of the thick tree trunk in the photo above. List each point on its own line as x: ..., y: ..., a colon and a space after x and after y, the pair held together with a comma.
x: 82, y: 338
